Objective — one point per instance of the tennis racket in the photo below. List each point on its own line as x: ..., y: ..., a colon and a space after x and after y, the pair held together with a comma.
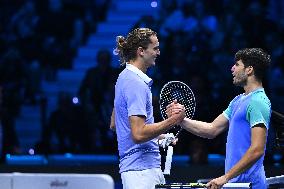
x: 277, y: 122
x: 181, y: 185
x: 201, y: 185
x: 176, y: 90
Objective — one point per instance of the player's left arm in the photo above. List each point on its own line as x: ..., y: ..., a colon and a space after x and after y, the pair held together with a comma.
x: 112, y: 121
x: 255, y: 151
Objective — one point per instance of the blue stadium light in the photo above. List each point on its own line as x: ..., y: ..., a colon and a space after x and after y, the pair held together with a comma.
x: 115, y: 52
x: 154, y: 4
x: 31, y: 151
x: 75, y: 100
x: 68, y: 155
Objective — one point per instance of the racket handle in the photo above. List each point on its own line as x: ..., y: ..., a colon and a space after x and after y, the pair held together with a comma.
x: 178, y: 133
x: 168, y: 163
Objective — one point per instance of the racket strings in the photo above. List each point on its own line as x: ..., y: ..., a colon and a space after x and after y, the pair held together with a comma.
x: 180, y: 92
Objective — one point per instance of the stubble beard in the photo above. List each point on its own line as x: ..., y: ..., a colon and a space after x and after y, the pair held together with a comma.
x: 240, y: 80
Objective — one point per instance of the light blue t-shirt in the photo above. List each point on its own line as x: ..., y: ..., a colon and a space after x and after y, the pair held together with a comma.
x: 243, y: 113
x: 133, y: 97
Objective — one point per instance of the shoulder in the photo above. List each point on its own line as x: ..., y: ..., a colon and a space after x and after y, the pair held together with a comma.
x: 260, y: 99
x: 131, y: 80
x: 259, y: 104
x: 236, y: 99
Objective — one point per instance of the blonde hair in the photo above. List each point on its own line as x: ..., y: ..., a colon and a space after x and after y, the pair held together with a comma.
x: 127, y: 47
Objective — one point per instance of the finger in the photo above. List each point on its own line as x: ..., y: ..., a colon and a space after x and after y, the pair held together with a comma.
x: 180, y: 106
x: 170, y: 105
x: 209, y: 184
x: 174, y: 142
x: 168, y: 110
x: 176, y: 110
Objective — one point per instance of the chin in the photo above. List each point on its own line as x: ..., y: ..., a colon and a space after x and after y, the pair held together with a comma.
x: 152, y: 64
x: 236, y: 83
x: 239, y: 84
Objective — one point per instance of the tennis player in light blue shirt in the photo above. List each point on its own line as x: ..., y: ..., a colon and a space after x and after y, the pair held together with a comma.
x: 132, y: 116
x: 247, y: 118
x: 134, y: 97
x: 244, y: 113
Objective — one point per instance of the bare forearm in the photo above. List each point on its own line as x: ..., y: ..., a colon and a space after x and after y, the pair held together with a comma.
x: 142, y: 132
x: 199, y: 128
x: 150, y: 131
x: 204, y: 129
x: 250, y: 157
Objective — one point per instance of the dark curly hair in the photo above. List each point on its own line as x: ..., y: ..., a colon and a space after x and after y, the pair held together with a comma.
x: 126, y: 48
x: 255, y: 57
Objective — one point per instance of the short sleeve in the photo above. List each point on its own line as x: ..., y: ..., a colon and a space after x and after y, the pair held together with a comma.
x: 136, y: 98
x: 258, y: 112
x: 228, y: 112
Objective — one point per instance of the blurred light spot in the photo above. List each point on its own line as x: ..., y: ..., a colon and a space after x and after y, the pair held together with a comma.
x: 31, y: 151
x: 68, y: 155
x: 115, y: 51
x: 75, y: 100
x: 154, y: 4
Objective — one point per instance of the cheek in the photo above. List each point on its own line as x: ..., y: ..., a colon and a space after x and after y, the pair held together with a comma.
x: 242, y: 75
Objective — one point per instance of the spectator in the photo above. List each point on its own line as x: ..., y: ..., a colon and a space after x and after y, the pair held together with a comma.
x: 68, y: 124
x: 96, y: 90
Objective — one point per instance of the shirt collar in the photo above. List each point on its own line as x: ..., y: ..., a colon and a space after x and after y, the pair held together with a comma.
x: 142, y: 75
x: 261, y: 89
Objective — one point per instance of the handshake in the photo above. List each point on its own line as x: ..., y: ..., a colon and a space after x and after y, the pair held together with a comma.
x: 176, y: 112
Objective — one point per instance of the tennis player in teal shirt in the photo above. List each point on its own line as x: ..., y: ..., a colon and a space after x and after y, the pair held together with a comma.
x: 247, y: 118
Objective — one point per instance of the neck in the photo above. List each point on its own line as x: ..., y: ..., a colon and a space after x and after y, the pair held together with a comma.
x: 252, y: 87
x: 139, y: 65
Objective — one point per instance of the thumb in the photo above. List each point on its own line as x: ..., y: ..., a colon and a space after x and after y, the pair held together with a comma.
x: 175, y: 101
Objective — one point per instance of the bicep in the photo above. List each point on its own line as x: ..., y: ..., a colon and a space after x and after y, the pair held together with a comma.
x: 137, y: 123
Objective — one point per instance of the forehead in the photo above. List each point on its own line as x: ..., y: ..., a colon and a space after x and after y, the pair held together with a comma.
x: 240, y: 62
x: 154, y: 40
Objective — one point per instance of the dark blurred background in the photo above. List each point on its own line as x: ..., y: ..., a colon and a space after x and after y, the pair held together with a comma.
x: 58, y: 69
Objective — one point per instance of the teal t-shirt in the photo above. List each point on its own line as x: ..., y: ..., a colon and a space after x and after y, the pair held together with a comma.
x: 244, y: 112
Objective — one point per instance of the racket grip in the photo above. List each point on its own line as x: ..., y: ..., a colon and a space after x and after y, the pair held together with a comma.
x: 168, y: 163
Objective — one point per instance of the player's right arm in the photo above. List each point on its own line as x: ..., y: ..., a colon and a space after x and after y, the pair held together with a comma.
x: 200, y: 128
x: 205, y: 129
x: 142, y: 132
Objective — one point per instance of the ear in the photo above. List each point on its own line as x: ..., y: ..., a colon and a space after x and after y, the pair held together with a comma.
x: 140, y: 51
x: 250, y: 70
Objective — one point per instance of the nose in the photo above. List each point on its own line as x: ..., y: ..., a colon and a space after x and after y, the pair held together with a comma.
x: 233, y: 68
x: 158, y: 52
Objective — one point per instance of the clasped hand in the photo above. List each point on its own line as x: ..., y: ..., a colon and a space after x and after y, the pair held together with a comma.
x: 177, y: 111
